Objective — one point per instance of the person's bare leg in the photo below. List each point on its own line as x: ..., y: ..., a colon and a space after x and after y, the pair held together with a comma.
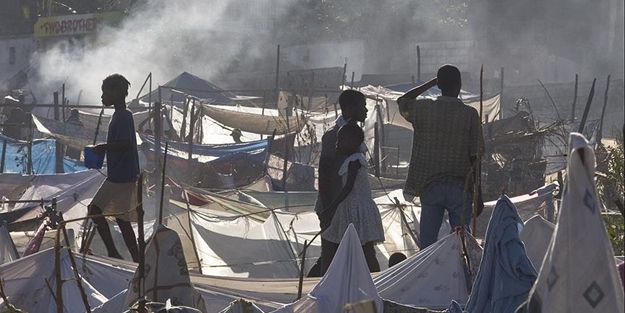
x: 129, y: 238
x: 104, y: 231
x: 372, y: 262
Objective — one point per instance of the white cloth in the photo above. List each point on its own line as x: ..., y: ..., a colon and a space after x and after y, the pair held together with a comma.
x: 431, y: 278
x: 347, y: 281
x: 166, y: 273
x: 579, y: 271
x: 358, y: 208
x: 536, y: 236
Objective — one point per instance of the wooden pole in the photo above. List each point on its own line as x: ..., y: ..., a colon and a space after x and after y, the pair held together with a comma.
x: 30, y: 144
x: 587, y: 108
x: 97, y: 127
x: 262, y: 112
x: 352, y: 79
x: 63, y: 102
x: 163, y: 171
x: 344, y: 75
x: 57, y: 273
x: 197, y: 255
x: 605, y: 104
x: 185, y: 111
x: 312, y: 88
x: 58, y: 154
x: 418, y: 64
x: 301, y: 271
x: 4, y: 153
x: 376, y: 149
x: 141, y: 236
x: 478, y: 159
x: 574, y: 99
x: 501, y: 90
x: 277, y: 74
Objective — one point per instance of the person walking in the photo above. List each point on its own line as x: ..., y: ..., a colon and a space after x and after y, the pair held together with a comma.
x: 118, y: 193
x: 444, y: 150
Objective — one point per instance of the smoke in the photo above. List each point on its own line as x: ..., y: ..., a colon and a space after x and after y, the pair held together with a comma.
x: 164, y: 38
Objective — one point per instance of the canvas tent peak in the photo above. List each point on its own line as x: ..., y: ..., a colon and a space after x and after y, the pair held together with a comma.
x: 187, y: 83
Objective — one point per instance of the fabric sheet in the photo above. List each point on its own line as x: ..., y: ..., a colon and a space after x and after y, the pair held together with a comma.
x: 347, y: 281
x: 431, y: 278
x: 579, y: 271
x: 506, y: 274
x: 536, y: 236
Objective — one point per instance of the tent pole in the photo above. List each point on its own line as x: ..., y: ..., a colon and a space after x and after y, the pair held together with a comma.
x: 301, y: 271
x: 160, y: 212
x: 574, y: 100
x: 587, y: 108
x: 197, y: 255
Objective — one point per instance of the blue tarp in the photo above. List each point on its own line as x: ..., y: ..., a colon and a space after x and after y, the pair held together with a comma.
x: 44, y: 160
x: 506, y: 274
x: 224, y: 152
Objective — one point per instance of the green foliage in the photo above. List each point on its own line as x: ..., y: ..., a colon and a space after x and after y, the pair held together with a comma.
x: 615, y: 227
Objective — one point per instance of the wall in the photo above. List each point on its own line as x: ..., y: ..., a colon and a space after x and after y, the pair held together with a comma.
x: 25, y: 47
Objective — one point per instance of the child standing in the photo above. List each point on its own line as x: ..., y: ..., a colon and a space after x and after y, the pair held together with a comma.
x: 353, y: 204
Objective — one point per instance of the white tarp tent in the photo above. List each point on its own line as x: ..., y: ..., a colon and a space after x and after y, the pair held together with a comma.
x: 578, y: 273
x: 26, y: 284
x: 346, y: 281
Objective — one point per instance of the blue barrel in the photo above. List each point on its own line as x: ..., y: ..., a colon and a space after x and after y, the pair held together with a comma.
x: 93, y: 160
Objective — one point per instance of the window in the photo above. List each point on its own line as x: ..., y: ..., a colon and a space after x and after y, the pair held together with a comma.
x: 12, y: 55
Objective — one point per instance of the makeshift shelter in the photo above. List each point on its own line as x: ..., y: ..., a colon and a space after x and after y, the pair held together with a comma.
x: 433, y: 277
x: 346, y: 281
x: 536, y: 236
x: 578, y: 273
x: 30, y: 282
x: 189, y: 84
x: 506, y: 274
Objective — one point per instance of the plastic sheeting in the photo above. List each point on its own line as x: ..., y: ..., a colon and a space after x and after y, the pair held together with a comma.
x: 579, y: 271
x: 346, y: 281
x: 25, y: 284
x: 536, y: 236
x: 43, y: 157
x: 269, y: 244
x: 506, y: 274
x: 431, y: 278
x: 8, y: 252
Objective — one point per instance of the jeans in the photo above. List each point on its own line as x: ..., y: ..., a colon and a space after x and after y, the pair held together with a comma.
x: 434, y: 201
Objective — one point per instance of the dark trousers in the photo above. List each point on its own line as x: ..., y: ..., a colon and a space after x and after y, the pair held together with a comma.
x: 328, y: 250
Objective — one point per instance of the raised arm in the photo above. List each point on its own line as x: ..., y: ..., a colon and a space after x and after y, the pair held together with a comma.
x: 417, y: 91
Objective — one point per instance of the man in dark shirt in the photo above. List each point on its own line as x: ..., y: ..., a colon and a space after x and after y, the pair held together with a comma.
x: 444, y: 148
x: 353, y: 106
x: 118, y: 193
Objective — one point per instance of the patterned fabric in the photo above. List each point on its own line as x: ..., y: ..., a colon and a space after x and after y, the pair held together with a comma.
x: 445, y: 137
x: 358, y: 208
